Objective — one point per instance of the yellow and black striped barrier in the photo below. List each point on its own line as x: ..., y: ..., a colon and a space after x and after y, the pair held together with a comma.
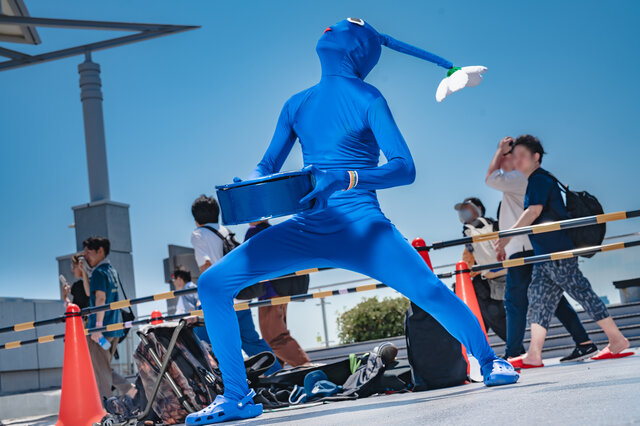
x: 534, y: 229
x: 568, y: 254
x: 537, y: 229
x: 126, y: 303
x: 322, y: 294
x: 237, y: 307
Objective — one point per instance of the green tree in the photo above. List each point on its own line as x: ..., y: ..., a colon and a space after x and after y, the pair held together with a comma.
x: 373, y: 319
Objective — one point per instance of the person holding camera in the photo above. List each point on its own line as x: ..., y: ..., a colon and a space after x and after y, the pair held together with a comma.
x: 489, y: 286
x: 78, y: 292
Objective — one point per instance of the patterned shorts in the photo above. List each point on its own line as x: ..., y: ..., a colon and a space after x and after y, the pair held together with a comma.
x: 550, y: 280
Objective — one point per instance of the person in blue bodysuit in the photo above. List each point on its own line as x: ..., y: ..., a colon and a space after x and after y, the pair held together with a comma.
x: 342, y: 124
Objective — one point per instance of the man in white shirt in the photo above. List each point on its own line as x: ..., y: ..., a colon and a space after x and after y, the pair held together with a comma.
x: 503, y: 176
x: 208, y: 249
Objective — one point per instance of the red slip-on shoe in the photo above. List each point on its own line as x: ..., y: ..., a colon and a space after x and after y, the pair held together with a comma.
x: 606, y: 354
x: 518, y: 363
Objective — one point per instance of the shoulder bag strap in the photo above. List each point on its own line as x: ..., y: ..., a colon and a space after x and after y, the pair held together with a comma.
x: 215, y: 231
x: 562, y: 186
x: 121, y: 287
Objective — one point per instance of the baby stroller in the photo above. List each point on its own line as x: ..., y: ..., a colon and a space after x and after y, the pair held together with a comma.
x: 171, y: 387
x: 177, y: 375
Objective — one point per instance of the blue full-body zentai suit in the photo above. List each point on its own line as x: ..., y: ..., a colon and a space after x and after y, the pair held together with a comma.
x: 342, y: 124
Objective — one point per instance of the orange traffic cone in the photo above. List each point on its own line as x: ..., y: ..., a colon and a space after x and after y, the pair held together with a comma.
x: 80, y: 402
x: 419, y: 242
x: 465, y: 291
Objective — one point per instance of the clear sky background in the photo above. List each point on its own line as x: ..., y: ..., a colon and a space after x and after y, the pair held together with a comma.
x: 189, y: 111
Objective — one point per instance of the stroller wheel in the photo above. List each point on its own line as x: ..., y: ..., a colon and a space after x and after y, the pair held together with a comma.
x: 111, y: 420
x: 108, y: 420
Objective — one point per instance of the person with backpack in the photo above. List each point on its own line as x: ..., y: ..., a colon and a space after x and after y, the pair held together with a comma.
x: 211, y: 241
x: 489, y: 286
x: 543, y: 203
x: 503, y: 177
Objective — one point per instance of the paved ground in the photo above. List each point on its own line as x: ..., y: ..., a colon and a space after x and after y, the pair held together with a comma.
x: 593, y: 392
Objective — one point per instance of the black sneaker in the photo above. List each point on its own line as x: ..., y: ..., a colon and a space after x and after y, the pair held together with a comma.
x: 581, y: 352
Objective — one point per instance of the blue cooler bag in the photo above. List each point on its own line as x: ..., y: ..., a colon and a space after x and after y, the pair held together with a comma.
x: 265, y: 198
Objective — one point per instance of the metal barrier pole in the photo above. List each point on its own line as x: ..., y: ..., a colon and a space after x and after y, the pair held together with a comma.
x: 324, y: 323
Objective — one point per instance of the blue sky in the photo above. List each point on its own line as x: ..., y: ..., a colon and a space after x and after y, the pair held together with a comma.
x: 186, y: 112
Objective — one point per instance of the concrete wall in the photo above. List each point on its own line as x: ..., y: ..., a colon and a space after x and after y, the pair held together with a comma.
x: 35, y: 366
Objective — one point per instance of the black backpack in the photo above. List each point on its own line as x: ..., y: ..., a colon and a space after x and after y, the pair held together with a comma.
x: 229, y: 243
x: 435, y: 355
x: 581, y: 204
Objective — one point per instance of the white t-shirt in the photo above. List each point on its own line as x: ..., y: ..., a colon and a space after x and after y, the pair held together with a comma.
x: 513, y: 186
x: 207, y: 245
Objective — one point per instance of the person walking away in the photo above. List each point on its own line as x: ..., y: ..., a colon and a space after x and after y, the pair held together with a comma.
x: 503, y: 176
x: 543, y: 203
x: 207, y: 244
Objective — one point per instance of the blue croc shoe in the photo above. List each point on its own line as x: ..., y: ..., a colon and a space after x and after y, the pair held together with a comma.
x: 499, y: 372
x: 223, y: 410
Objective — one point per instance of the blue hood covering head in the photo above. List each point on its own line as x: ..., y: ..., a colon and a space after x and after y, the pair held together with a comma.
x: 349, y: 50
x: 352, y: 47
